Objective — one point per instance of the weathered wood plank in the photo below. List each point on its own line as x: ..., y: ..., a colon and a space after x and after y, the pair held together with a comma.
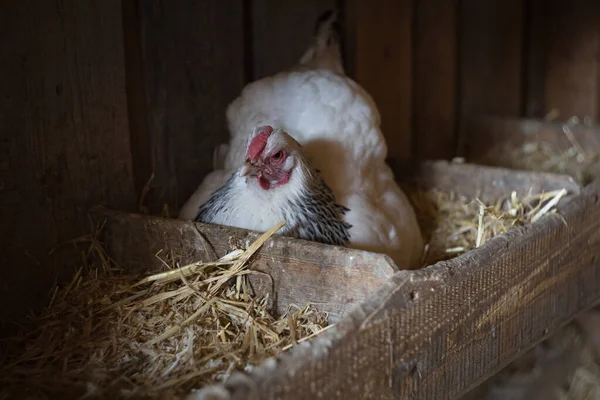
x: 334, y: 278
x: 435, y: 79
x: 494, y: 141
x: 491, y: 65
x: 491, y: 61
x: 486, y: 183
x: 539, y: 373
x: 193, y: 66
x: 535, y: 53
x: 64, y: 143
x: 564, y: 46
x: 437, y: 332
x: 381, y: 62
x: 281, y: 32
x: 136, y: 97
x: 487, y: 134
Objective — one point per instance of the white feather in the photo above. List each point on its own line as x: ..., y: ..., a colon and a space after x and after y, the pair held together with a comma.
x: 256, y: 209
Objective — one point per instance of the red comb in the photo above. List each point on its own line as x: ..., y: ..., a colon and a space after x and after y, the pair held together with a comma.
x: 258, y: 144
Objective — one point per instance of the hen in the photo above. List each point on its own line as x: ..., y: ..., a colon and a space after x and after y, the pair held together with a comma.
x: 338, y: 125
x: 277, y: 183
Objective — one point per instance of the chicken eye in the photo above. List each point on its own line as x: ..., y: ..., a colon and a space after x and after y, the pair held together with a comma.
x: 278, y: 155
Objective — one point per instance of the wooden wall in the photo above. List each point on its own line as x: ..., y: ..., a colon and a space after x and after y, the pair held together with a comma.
x: 99, y: 96
x: 64, y: 138
x: 430, y: 66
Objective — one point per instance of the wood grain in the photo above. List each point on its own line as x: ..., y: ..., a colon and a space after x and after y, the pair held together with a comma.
x: 136, y: 97
x: 536, y: 63
x: 487, y: 134
x: 493, y: 141
x: 489, y: 184
x: 381, y: 62
x: 435, y: 79
x: 64, y: 143
x: 440, y: 331
x: 564, y: 47
x: 333, y: 278
x: 281, y: 32
x: 193, y: 60
x: 491, y: 62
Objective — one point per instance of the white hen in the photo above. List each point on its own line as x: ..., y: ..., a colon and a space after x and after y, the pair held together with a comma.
x: 338, y: 125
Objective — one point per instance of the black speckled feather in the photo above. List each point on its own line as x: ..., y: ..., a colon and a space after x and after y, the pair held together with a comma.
x: 314, y: 215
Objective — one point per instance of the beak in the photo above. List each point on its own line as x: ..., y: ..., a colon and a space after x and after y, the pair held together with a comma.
x: 248, y: 169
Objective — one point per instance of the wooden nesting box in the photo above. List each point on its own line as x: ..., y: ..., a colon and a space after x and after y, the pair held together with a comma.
x: 430, y: 333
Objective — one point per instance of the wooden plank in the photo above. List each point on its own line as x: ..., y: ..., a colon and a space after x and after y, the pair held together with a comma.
x: 193, y: 61
x: 282, y: 32
x: 488, y: 134
x: 334, y: 278
x: 440, y: 331
x: 490, y: 57
x: 491, y: 65
x: 540, y: 373
x: 536, y: 68
x: 136, y: 97
x: 435, y: 79
x: 563, y: 75
x: 381, y: 62
x: 489, y: 184
x: 493, y: 141
x: 64, y: 143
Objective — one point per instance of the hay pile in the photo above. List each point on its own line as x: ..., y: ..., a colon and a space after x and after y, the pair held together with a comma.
x: 108, y: 334
x: 453, y: 225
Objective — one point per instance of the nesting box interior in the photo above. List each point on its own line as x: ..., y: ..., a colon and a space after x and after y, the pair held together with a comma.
x: 111, y: 114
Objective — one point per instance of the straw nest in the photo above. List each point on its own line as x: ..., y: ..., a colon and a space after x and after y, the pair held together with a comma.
x: 453, y: 225
x: 108, y: 334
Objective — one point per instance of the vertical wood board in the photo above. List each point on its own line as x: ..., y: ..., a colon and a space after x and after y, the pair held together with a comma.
x: 193, y: 67
x: 435, y: 78
x: 491, y: 60
x: 564, y: 73
x: 136, y: 97
x: 64, y: 143
x: 281, y: 32
x: 381, y: 62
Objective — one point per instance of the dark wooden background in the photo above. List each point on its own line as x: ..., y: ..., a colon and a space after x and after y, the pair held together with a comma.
x: 98, y: 95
